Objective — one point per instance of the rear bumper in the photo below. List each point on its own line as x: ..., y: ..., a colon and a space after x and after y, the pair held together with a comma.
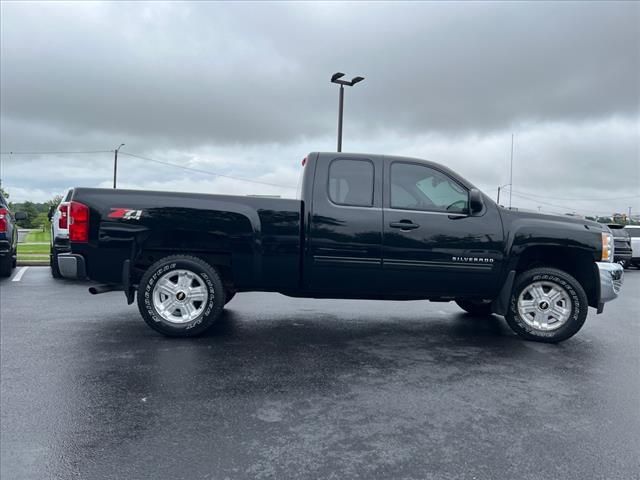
x: 611, y: 279
x: 72, y: 266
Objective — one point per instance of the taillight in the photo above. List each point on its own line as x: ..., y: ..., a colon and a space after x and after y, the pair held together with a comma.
x: 3, y: 220
x: 63, y: 221
x: 78, y: 222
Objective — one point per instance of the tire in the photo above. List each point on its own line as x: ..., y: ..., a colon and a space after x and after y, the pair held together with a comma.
x: 6, y: 266
x: 480, y: 308
x: 228, y: 295
x: 181, y: 275
x: 543, y: 305
x: 53, y: 261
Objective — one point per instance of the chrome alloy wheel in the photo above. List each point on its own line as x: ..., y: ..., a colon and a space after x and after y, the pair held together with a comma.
x: 180, y: 296
x: 544, y: 306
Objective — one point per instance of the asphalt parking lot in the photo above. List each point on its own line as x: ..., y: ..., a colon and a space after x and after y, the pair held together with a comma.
x: 292, y: 388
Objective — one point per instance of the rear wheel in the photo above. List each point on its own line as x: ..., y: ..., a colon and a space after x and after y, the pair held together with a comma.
x: 53, y: 261
x: 6, y: 266
x: 181, y: 296
x: 547, y: 305
x: 475, y: 307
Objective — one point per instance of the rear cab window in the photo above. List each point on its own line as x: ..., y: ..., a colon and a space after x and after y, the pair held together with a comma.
x: 351, y: 182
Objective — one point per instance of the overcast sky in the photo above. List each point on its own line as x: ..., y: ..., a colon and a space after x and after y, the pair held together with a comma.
x: 242, y: 89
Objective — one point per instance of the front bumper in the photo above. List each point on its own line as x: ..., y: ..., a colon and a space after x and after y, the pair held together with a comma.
x: 611, y: 279
x: 72, y: 266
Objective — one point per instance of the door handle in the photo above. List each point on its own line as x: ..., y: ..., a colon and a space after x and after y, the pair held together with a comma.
x: 404, y: 225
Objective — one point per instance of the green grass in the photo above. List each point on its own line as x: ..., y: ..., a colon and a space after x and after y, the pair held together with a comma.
x: 39, y: 236
x: 31, y: 249
x: 27, y: 252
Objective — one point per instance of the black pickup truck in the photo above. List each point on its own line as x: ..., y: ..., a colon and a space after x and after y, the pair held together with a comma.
x: 365, y: 227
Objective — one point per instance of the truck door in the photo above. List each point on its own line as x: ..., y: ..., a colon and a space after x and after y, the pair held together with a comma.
x: 344, y: 252
x: 431, y: 245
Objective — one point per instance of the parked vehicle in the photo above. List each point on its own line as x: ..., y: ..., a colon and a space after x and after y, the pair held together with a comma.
x: 8, y: 238
x: 59, y: 218
x: 622, y: 244
x: 366, y: 227
x: 634, y: 234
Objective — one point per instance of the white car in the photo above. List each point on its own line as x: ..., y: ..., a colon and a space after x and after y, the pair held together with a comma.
x: 634, y: 233
x: 59, y: 217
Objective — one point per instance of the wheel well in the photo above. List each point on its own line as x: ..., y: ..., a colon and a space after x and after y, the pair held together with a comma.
x: 577, y: 263
x: 146, y: 258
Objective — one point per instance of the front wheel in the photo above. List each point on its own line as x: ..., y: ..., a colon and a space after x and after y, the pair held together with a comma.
x: 181, y: 296
x: 547, y: 305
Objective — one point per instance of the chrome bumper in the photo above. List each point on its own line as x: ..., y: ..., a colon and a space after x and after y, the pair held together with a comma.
x: 71, y: 266
x: 611, y: 278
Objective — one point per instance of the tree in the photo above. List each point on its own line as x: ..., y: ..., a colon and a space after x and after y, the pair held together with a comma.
x: 41, y: 221
x: 30, y: 209
x: 4, y: 193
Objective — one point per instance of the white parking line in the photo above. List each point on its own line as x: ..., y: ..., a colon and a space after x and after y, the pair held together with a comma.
x: 18, y: 276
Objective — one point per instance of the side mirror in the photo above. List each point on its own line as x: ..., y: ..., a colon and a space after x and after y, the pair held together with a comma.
x: 51, y: 211
x: 20, y: 216
x: 475, y: 201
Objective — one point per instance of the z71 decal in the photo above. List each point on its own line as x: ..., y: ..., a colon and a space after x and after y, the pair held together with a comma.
x: 125, y: 213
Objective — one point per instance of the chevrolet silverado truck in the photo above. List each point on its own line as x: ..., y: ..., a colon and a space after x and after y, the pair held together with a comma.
x: 364, y: 227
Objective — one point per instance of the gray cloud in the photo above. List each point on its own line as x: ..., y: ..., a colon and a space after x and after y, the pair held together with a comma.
x: 244, y: 87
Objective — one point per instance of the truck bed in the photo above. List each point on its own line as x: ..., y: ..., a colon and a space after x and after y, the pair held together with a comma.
x: 257, y: 238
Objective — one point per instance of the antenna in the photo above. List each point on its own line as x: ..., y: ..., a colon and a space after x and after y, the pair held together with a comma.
x: 511, y: 173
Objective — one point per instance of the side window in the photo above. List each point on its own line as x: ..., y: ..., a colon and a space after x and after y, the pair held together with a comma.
x: 418, y: 187
x: 351, y: 182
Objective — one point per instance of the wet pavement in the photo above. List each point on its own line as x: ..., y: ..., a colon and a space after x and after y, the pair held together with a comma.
x: 292, y: 388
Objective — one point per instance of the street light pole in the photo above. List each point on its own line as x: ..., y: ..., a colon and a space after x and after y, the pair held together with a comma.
x: 340, y: 112
x: 335, y: 78
x: 115, y: 163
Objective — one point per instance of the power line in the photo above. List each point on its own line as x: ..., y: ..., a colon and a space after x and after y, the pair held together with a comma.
x: 55, y: 153
x: 207, y: 172
x: 578, y: 199
x: 561, y: 206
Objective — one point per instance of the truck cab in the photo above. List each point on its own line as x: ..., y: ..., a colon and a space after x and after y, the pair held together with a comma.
x: 398, y: 228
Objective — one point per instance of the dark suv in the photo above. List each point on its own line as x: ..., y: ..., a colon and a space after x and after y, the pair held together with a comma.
x: 622, y: 244
x: 8, y: 238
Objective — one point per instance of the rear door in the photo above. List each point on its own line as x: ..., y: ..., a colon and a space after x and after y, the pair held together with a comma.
x: 345, y: 232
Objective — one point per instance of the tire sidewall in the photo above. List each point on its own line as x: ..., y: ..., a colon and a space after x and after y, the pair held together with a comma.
x: 213, y: 284
x: 579, y: 305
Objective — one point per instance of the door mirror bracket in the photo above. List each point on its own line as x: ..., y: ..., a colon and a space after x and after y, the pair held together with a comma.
x: 475, y: 201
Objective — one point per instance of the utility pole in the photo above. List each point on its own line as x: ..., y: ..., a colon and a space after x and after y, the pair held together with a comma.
x: 629, y: 217
x: 115, y: 164
x: 511, y: 173
x: 335, y: 78
x: 500, y: 188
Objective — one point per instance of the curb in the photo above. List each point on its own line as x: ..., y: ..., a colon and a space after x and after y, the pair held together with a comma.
x: 33, y: 263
